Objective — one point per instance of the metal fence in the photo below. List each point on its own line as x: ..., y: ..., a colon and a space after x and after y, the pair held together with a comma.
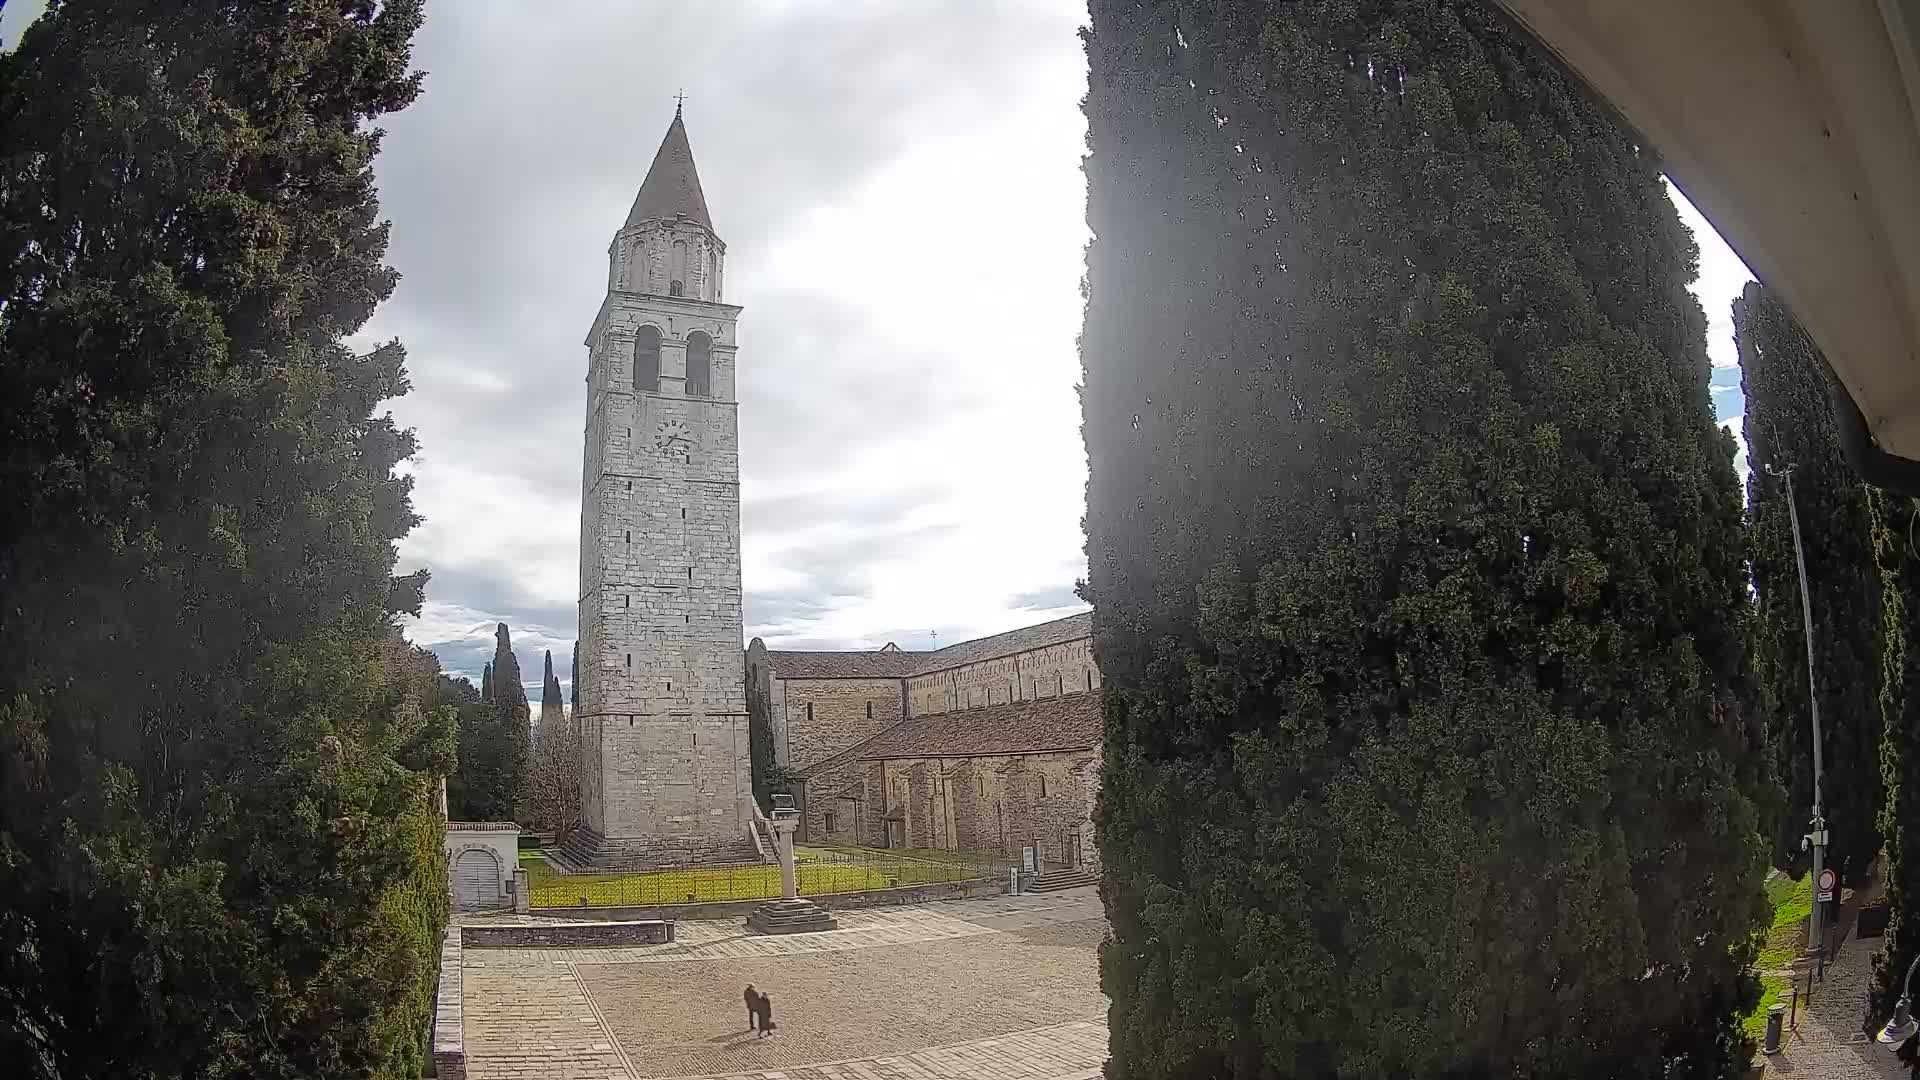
x: 822, y: 871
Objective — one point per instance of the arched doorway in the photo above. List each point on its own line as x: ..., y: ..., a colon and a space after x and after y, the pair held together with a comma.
x: 476, y: 880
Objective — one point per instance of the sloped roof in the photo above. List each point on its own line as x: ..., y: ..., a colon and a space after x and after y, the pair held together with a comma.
x: 1013, y: 641
x: 672, y: 186
x: 891, y: 662
x: 1070, y: 722
x: 871, y: 664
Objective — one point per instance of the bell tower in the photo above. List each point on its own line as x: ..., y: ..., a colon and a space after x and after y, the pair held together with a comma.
x: 662, y: 715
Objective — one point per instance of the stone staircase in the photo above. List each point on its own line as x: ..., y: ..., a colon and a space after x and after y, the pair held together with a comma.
x: 1062, y: 878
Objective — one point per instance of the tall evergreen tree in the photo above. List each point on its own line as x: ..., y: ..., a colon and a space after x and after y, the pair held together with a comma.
x: 510, y: 700
x: 486, y: 683
x: 1416, y: 562
x: 1899, y: 821
x: 218, y: 850
x: 1850, y: 578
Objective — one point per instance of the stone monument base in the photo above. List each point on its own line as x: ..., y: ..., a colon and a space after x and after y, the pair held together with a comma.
x: 796, y: 916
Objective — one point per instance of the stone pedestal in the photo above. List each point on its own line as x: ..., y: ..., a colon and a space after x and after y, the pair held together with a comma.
x: 791, y: 914
x: 795, y: 916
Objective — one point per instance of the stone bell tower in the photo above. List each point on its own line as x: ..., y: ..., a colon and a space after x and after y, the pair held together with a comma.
x: 663, y: 714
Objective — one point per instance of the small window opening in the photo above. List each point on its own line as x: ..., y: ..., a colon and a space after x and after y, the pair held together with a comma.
x: 669, y: 684
x: 683, y: 513
x: 831, y: 821
x: 1043, y: 786
x: 1089, y: 678
x: 699, y: 365
x: 689, y: 573
x: 629, y: 660
x: 646, y: 361
x: 629, y: 536
x: 869, y: 710
x: 983, y: 785
x: 677, y: 288
x: 809, y: 712
x: 626, y: 601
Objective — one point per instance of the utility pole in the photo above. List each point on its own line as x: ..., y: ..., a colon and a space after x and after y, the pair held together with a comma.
x: 1815, y: 841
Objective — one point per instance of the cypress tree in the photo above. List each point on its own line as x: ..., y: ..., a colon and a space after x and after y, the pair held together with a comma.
x: 552, y: 714
x: 1899, y: 821
x: 515, y: 723
x: 1416, y: 563
x: 1843, y: 527
x: 220, y: 851
x: 486, y: 683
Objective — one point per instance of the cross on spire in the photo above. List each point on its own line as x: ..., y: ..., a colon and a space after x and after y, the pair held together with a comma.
x: 679, y: 100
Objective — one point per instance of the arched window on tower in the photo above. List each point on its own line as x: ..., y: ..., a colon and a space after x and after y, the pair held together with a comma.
x: 699, y: 365
x: 646, y: 360
x: 677, y: 270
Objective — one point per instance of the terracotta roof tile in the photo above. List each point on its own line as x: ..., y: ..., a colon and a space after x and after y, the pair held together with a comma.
x: 894, y: 663
x: 1071, y: 722
x: 1013, y: 641
x: 842, y: 665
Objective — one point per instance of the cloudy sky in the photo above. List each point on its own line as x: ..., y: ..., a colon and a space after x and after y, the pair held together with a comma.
x: 898, y: 183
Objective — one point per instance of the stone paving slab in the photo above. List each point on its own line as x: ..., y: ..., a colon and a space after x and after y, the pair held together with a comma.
x: 1073, y: 1051
x: 680, y: 1019
x: 529, y: 1012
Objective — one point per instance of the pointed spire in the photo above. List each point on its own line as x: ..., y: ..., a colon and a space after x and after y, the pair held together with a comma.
x: 672, y: 187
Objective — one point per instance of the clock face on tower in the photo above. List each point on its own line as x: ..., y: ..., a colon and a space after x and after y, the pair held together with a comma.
x: 674, y: 441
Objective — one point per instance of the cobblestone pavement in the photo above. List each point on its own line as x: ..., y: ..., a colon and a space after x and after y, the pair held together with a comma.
x: 999, y: 989
x: 1829, y: 1044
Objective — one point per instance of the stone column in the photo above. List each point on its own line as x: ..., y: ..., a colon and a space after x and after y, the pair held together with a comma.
x: 783, y: 841
x: 790, y: 914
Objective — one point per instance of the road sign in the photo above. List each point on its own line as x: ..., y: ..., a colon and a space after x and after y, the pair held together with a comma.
x: 1823, y: 891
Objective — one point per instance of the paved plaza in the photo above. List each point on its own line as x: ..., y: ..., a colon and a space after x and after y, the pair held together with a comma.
x: 998, y: 989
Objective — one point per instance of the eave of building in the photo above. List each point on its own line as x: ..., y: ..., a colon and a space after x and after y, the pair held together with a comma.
x: 1794, y: 126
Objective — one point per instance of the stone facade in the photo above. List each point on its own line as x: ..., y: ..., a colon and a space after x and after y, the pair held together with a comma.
x: 662, y: 716
x: 989, y: 746
x: 1044, y: 672
x: 997, y: 803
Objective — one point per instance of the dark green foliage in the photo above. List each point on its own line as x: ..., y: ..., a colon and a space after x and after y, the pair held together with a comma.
x: 550, y: 695
x: 486, y: 682
x: 491, y: 766
x: 1416, y: 559
x: 1856, y: 631
x: 454, y: 691
x: 760, y: 755
x: 1899, y: 820
x: 510, y: 702
x: 219, y: 856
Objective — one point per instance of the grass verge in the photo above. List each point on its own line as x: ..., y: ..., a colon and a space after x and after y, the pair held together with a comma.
x: 818, y: 876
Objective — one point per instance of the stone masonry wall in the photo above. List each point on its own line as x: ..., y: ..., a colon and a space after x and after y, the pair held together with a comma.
x: 980, y: 804
x: 663, y: 704
x: 1038, y: 673
x: 822, y: 717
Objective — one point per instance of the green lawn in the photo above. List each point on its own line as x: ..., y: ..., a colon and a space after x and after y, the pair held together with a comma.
x: 1786, y: 937
x: 821, y: 872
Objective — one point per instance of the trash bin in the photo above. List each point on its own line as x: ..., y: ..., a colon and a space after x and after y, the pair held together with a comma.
x: 1776, y: 1018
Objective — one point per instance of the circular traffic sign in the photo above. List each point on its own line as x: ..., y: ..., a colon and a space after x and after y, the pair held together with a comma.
x: 1826, y: 880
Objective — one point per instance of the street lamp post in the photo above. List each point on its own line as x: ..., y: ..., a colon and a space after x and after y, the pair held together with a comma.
x: 1816, y: 840
x: 1902, y: 1026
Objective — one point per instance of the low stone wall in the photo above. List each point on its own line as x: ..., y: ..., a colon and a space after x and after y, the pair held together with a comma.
x: 569, y: 935
x: 729, y: 909
x: 449, y: 1041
